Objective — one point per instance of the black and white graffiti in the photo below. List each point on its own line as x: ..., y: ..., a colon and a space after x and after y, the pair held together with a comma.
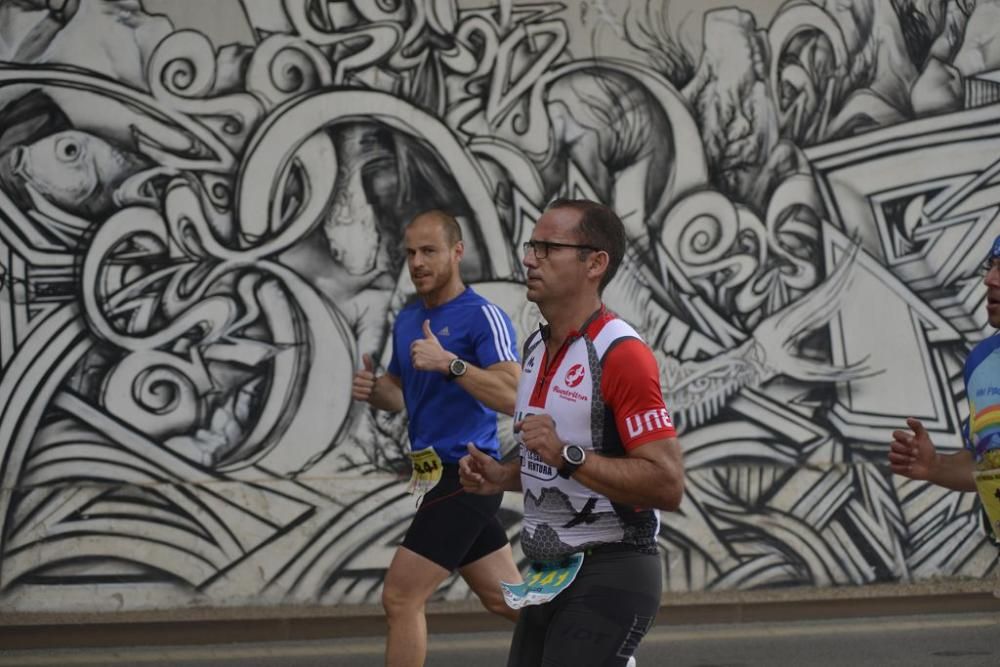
x: 200, y: 233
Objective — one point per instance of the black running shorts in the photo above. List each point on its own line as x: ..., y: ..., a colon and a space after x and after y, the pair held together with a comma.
x: 598, y: 621
x: 454, y: 528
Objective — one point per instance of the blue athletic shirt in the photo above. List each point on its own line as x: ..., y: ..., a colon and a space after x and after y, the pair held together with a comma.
x: 442, y: 414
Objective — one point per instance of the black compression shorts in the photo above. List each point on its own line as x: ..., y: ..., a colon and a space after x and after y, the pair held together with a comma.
x: 454, y: 528
x: 598, y: 621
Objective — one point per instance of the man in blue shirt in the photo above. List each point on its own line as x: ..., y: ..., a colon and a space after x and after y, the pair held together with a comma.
x: 454, y: 366
x: 913, y: 455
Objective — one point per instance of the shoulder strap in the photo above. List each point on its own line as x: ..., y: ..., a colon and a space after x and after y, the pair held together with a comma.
x: 530, y: 343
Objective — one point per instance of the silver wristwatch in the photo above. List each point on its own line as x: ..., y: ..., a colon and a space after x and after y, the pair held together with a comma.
x: 457, y: 368
x: 573, y: 458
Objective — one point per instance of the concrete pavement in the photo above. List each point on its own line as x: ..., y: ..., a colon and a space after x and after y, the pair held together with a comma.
x: 961, y: 640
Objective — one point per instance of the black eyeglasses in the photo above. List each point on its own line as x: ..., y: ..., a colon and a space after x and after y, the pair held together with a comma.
x: 541, y: 248
x: 989, y: 264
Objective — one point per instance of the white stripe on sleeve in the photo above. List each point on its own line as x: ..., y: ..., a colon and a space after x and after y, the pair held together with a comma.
x: 499, y: 332
x: 505, y: 335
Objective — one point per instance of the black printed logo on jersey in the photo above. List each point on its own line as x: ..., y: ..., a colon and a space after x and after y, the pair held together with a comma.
x: 585, y: 515
x: 532, y: 465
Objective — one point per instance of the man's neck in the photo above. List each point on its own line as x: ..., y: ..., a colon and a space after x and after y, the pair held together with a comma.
x: 442, y: 296
x: 564, y: 318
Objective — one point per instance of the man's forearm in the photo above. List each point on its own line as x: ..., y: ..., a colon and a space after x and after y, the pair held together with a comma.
x: 634, y: 481
x: 386, y: 395
x: 954, y: 471
x: 512, y: 475
x: 496, y: 388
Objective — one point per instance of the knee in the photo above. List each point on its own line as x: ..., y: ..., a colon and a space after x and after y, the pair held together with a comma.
x: 495, y: 604
x: 398, y: 601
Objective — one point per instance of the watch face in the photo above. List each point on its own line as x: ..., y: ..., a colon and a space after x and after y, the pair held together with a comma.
x: 574, y: 454
x: 457, y: 367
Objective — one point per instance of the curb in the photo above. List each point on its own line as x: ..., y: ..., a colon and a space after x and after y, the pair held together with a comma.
x: 199, y: 626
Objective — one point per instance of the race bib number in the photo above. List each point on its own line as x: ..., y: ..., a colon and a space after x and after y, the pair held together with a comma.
x: 988, y: 486
x: 427, y: 469
x: 543, y: 582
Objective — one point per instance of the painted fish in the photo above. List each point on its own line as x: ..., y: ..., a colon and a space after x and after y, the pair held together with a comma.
x: 77, y: 171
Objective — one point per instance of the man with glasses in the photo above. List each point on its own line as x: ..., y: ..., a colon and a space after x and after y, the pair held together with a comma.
x: 454, y: 366
x: 599, y: 454
x: 912, y: 453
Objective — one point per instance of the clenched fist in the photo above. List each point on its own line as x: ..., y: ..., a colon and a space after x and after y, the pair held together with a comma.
x: 426, y: 354
x: 480, y: 473
x: 538, y: 434
x: 911, y: 453
x: 364, y: 380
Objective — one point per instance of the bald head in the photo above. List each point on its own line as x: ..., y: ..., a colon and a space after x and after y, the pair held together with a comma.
x: 449, y: 225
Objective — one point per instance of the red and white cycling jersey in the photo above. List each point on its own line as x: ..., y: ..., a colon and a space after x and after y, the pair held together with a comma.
x: 602, y: 389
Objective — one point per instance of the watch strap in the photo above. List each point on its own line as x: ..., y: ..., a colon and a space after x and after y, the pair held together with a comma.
x: 568, y: 469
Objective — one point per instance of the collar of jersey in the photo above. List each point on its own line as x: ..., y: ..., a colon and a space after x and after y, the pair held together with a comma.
x: 548, y: 367
x: 545, y: 330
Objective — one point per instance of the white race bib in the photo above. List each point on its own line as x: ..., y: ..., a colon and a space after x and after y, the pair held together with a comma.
x: 543, y: 582
x: 427, y: 469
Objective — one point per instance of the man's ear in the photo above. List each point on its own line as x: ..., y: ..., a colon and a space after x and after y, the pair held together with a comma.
x: 599, y: 262
x: 460, y: 249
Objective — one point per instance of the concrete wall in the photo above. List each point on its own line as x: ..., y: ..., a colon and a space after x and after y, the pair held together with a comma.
x: 200, y: 215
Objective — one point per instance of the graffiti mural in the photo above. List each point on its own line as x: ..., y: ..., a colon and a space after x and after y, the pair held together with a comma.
x: 200, y: 235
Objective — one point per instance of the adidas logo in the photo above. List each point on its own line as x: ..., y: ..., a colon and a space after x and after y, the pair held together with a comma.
x: 444, y: 332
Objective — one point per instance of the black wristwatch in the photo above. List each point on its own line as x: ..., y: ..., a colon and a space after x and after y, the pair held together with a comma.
x: 457, y: 368
x: 573, y: 458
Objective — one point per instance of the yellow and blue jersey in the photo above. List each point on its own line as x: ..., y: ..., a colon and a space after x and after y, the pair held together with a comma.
x: 982, y: 387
